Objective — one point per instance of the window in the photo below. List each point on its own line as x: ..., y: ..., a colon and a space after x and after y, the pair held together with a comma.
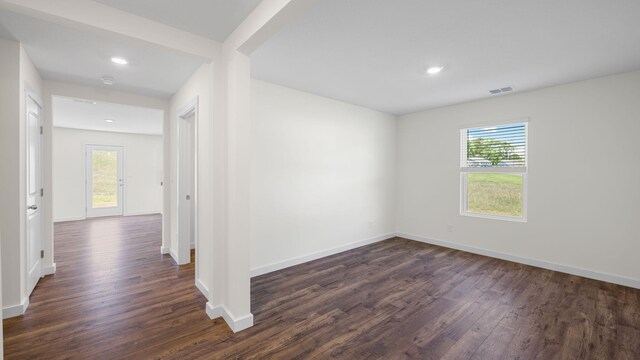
x: 493, y: 171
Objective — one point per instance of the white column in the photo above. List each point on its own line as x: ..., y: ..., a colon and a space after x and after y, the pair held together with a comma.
x: 230, y: 295
x: 230, y: 287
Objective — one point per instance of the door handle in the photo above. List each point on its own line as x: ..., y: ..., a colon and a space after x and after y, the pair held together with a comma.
x: 33, y: 207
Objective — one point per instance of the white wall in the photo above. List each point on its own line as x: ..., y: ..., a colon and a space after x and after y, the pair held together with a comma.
x: 17, y: 74
x: 322, y: 175
x: 142, y: 171
x: 9, y: 179
x: 198, y: 86
x: 583, y: 180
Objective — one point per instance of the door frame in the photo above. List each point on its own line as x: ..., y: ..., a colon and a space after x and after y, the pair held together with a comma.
x: 87, y: 92
x: 120, y: 210
x: 31, y: 95
x: 182, y: 251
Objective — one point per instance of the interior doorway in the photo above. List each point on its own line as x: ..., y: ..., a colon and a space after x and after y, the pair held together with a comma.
x: 187, y: 193
x: 105, y: 180
x: 107, y: 166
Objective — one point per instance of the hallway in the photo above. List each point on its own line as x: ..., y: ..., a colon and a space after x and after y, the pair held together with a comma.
x: 113, y: 294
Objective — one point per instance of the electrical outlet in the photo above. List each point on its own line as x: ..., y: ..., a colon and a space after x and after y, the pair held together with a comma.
x: 450, y: 228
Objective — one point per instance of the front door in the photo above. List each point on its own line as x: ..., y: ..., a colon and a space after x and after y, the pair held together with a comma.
x: 34, y: 193
x: 105, y: 182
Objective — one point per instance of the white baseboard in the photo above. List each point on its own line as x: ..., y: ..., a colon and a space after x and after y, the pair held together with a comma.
x: 16, y: 310
x: 174, y: 256
x: 70, y: 218
x: 236, y: 324
x: 164, y: 250
x: 49, y: 270
x: 76, y: 218
x: 139, y: 213
x: 615, y: 279
x: 317, y: 255
x: 203, y: 288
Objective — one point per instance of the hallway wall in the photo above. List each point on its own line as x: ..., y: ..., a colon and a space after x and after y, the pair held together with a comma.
x: 198, y: 86
x: 142, y: 171
x: 17, y: 75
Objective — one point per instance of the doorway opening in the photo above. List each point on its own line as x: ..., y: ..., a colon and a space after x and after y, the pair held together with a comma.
x: 107, y: 165
x: 187, y: 185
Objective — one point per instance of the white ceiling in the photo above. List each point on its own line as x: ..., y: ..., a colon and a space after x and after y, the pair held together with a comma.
x: 86, y: 114
x: 374, y: 53
x: 371, y: 53
x: 71, y: 55
x: 214, y: 19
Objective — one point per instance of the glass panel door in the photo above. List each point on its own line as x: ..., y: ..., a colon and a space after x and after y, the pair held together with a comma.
x: 105, y: 183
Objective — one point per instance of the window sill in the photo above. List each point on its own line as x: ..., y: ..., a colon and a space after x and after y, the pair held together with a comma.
x: 494, y: 217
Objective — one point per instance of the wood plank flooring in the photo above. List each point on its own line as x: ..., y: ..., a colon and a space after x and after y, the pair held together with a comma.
x: 115, y: 296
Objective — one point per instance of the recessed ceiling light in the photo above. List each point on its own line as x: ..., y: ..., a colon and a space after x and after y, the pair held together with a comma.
x: 119, y: 60
x: 109, y: 120
x: 434, y: 70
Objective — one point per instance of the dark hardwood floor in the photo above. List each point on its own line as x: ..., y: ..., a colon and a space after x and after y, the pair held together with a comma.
x: 115, y: 296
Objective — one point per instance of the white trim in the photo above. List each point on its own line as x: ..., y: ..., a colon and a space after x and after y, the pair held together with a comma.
x: 49, y: 270
x: 236, y: 324
x: 494, y: 217
x: 164, y: 250
x: 16, y: 310
x: 615, y: 279
x: 193, y: 246
x: 141, y: 213
x: 78, y: 218
x: 29, y: 92
x: 190, y: 108
x: 106, y: 131
x: 69, y: 218
x: 317, y: 255
x: 203, y: 288
x: 174, y: 256
x: 490, y: 123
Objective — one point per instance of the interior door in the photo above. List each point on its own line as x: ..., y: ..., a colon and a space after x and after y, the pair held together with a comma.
x: 186, y: 186
x: 105, y: 181
x: 34, y: 193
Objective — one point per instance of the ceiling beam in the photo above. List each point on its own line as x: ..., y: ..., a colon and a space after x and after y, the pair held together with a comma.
x: 265, y: 21
x: 91, y: 15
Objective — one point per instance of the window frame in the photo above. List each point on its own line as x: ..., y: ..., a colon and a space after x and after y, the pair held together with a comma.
x: 465, y: 171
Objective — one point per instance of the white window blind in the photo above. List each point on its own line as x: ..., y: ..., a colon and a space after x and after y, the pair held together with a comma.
x: 499, y: 148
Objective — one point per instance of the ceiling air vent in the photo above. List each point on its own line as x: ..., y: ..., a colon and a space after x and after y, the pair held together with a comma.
x: 501, y: 90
